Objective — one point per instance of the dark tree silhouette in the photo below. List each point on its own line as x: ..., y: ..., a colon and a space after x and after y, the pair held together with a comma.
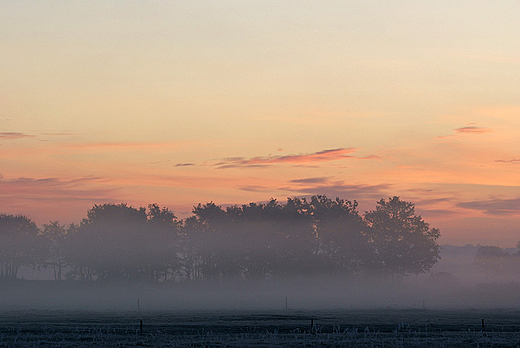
x: 491, y: 260
x: 56, y: 234
x: 163, y: 243
x: 341, y: 232
x: 300, y: 245
x: 277, y: 239
x: 255, y: 240
x: 117, y: 241
x: 265, y: 240
x: 402, y: 242
x: 20, y: 245
x: 208, y: 241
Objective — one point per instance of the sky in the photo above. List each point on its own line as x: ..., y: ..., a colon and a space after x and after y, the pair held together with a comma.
x: 186, y: 102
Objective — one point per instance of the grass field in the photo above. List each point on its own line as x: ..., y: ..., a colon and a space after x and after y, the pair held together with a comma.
x: 282, y: 328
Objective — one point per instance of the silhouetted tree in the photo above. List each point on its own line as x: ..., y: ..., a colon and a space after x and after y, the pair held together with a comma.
x: 254, y: 240
x: 20, y: 245
x: 299, y: 245
x: 117, y: 241
x: 211, y: 243
x: 320, y: 235
x: 491, y: 260
x: 80, y: 254
x: 273, y: 238
x: 402, y: 243
x: 341, y: 233
x: 55, y: 233
x: 278, y: 238
x: 163, y: 243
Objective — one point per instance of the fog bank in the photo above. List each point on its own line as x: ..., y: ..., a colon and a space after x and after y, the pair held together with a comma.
x: 317, y: 292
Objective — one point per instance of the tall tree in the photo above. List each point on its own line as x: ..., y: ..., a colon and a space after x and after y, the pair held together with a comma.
x: 298, y: 242
x: 56, y: 233
x: 20, y: 245
x: 118, y: 241
x: 402, y: 242
x: 491, y: 260
x: 255, y: 240
x: 211, y: 243
x: 259, y: 237
x: 341, y: 232
x: 275, y: 239
x: 163, y: 243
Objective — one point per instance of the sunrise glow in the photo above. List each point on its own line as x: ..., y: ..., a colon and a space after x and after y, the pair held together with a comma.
x: 180, y: 103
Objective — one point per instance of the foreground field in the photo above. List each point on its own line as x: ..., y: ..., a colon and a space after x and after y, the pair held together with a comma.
x: 283, y: 328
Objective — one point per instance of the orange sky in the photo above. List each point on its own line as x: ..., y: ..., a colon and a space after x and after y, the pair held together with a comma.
x: 241, y: 101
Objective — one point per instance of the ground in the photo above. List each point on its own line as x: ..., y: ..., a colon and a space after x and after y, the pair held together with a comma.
x: 383, y: 327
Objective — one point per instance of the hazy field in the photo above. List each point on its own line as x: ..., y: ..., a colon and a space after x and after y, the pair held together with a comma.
x: 412, y: 313
x: 281, y: 328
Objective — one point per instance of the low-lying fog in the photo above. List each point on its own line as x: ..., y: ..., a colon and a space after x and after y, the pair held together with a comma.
x: 463, y: 287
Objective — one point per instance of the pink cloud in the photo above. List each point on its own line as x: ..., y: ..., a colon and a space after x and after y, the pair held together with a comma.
x: 45, y: 199
x: 14, y: 135
x: 514, y: 161
x: 337, y: 188
x: 469, y: 129
x: 496, y: 206
x: 123, y: 146
x: 318, y: 180
x: 52, y: 189
x: 472, y: 130
x: 320, y: 156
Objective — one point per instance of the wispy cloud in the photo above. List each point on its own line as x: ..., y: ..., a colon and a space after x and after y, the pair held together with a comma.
x: 59, y: 134
x: 176, y: 165
x: 438, y: 208
x: 468, y: 129
x: 333, y: 188
x: 513, y: 160
x: 53, y: 198
x: 472, y: 130
x: 200, y: 180
x: 13, y: 135
x: 254, y: 188
x: 495, y: 206
x: 123, y: 146
x: 438, y: 213
x: 320, y: 156
x: 310, y: 180
x: 53, y: 188
x: 158, y: 162
x: 354, y: 191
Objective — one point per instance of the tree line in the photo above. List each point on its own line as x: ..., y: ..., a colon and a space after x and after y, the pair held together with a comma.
x: 492, y: 261
x: 257, y: 240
